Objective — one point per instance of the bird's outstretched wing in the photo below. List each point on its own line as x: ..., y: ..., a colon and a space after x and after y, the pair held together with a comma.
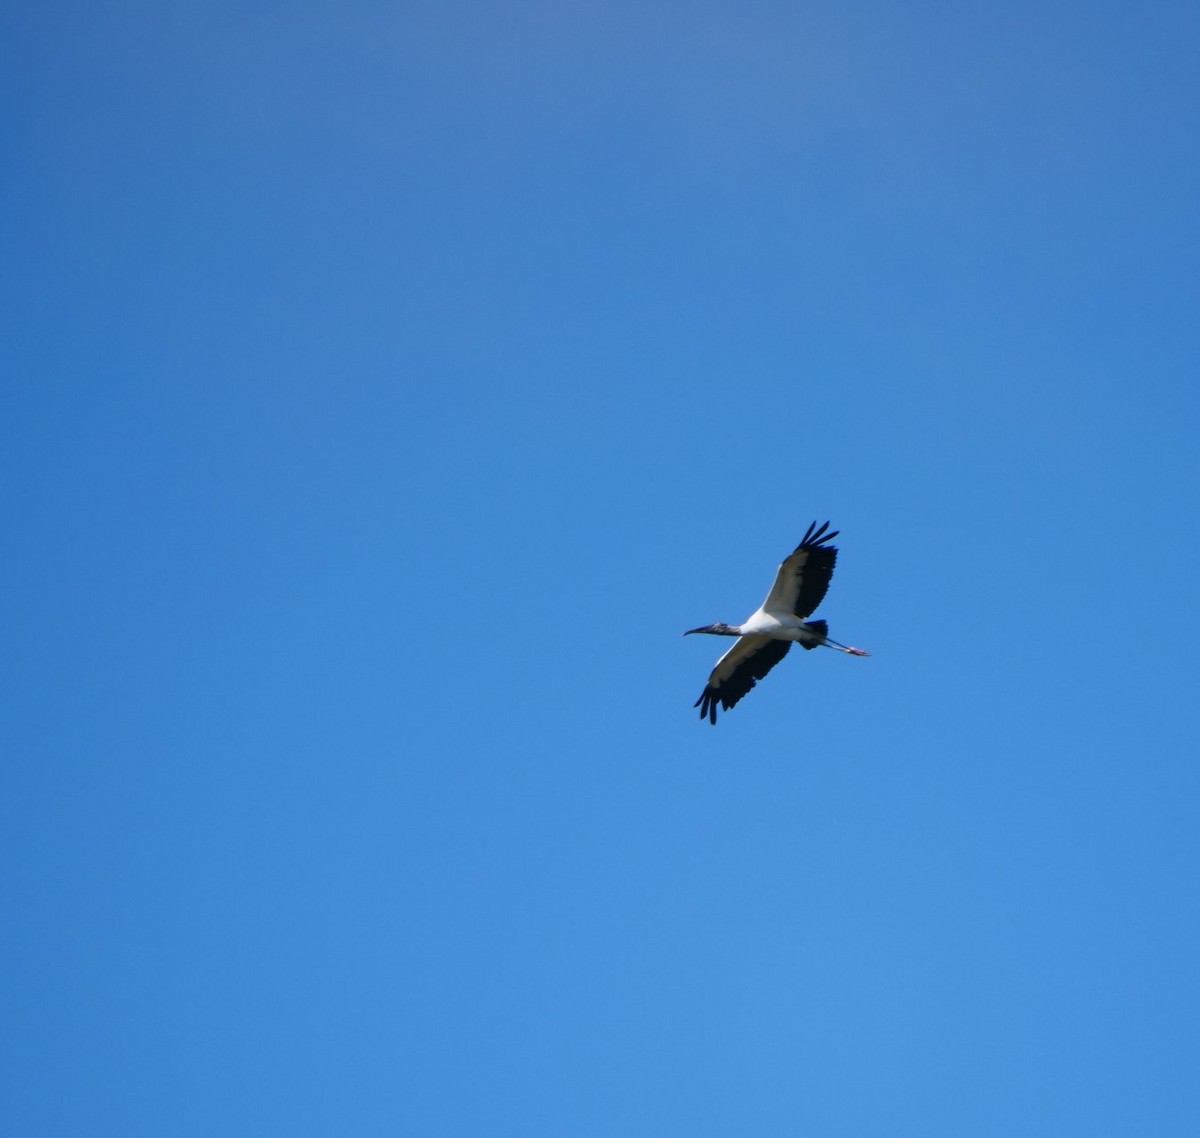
x: 751, y: 658
x: 803, y: 578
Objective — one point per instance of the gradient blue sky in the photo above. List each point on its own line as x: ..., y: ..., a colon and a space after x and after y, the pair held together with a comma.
x: 389, y: 385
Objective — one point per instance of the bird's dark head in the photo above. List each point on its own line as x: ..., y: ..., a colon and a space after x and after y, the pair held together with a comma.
x: 715, y: 630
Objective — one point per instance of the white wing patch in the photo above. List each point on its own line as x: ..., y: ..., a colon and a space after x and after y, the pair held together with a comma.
x: 745, y: 647
x: 783, y: 594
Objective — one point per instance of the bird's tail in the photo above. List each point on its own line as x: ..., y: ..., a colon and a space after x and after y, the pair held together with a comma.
x: 820, y: 628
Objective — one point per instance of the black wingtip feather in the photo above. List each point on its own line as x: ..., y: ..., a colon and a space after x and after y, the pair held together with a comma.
x: 820, y: 536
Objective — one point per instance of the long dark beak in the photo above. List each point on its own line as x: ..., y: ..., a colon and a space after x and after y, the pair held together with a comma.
x: 706, y: 628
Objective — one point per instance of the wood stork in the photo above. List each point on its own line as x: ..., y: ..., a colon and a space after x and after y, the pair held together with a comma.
x: 765, y: 638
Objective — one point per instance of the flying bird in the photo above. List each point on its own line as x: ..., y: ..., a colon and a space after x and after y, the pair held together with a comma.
x: 765, y: 638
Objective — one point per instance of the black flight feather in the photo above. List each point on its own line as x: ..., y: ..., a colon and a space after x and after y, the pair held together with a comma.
x: 744, y: 677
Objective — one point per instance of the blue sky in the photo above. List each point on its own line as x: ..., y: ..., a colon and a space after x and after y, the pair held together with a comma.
x: 390, y: 385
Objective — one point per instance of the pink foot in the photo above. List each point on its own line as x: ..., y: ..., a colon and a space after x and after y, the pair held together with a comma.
x: 857, y: 652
